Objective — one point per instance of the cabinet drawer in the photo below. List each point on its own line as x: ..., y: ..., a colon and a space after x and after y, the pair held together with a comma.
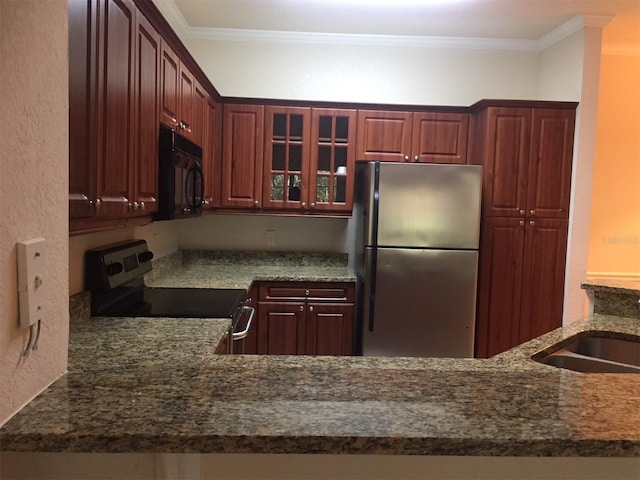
x: 316, y: 291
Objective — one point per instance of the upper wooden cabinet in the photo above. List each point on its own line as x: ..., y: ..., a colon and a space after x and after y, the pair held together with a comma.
x: 333, y: 156
x: 243, y: 128
x: 425, y: 137
x: 286, y: 158
x: 183, y: 98
x: 309, y: 159
x: 113, y: 153
x: 439, y: 137
x: 212, y: 153
x: 527, y: 158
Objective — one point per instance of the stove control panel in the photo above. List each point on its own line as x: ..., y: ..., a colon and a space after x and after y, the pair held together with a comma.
x: 114, y: 265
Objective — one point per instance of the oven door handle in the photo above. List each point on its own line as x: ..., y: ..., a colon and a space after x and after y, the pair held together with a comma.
x: 242, y: 334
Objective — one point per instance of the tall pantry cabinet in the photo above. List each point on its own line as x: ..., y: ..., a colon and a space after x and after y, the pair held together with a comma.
x: 526, y: 151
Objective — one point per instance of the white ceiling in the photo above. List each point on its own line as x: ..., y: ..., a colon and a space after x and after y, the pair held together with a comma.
x: 505, y: 19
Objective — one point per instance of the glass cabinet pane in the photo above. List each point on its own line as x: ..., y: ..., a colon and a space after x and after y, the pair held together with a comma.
x: 277, y: 186
x: 341, y: 157
x: 342, y: 129
x: 279, y: 154
x: 279, y: 126
x: 295, y: 158
x: 295, y: 182
x: 295, y: 127
x: 322, y: 188
x: 340, y: 189
x: 325, y: 128
x: 324, y: 158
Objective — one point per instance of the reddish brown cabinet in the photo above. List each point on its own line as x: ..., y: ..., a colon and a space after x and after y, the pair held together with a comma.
x: 147, y: 102
x: 309, y: 159
x: 526, y: 152
x: 521, y: 281
x: 527, y: 157
x: 425, y: 137
x: 243, y: 129
x: 286, y: 158
x: 333, y: 157
x: 212, y: 153
x: 305, y: 318
x: 113, y: 153
x: 170, y: 86
x: 384, y: 135
x: 183, y: 99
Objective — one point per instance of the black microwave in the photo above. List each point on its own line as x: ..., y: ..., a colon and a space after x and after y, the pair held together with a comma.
x: 181, y: 181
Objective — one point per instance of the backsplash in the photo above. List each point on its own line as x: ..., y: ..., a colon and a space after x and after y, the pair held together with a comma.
x: 257, y: 258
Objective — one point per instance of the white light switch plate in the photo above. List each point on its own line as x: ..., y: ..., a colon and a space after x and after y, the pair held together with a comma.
x: 31, y: 280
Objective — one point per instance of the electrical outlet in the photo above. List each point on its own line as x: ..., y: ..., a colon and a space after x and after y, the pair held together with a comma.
x: 31, y: 281
x: 271, y: 238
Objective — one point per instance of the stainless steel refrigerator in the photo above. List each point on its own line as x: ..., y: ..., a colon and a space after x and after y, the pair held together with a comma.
x: 417, y: 233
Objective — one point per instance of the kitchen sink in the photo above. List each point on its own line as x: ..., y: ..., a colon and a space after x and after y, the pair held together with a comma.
x: 594, y: 352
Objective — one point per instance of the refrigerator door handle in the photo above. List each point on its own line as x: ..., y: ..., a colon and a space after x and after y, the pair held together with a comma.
x: 369, y: 291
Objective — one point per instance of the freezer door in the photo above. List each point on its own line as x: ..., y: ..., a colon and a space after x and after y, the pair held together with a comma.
x: 422, y: 303
x: 429, y: 205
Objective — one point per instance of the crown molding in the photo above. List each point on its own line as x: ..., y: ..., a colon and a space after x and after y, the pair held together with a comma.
x: 174, y: 17
x: 311, y: 38
x: 575, y: 24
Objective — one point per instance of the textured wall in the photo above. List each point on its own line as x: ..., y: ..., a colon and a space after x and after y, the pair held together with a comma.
x: 33, y: 188
x: 614, y: 246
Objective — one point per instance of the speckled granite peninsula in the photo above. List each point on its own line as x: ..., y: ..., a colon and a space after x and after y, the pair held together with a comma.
x: 614, y: 296
x: 155, y: 385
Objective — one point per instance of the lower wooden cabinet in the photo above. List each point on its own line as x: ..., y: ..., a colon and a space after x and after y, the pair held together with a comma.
x: 303, y: 318
x: 522, y: 264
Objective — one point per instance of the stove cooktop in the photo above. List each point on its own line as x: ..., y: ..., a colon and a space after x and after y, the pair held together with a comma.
x: 179, y: 303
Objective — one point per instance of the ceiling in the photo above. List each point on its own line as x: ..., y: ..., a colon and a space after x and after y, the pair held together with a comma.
x: 505, y: 19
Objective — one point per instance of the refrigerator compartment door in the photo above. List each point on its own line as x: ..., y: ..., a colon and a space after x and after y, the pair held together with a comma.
x: 424, y: 303
x: 429, y: 205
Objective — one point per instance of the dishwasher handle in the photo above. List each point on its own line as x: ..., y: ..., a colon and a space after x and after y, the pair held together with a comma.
x: 242, y: 334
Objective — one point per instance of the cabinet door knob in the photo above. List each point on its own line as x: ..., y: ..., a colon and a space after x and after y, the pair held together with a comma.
x: 406, y: 158
x: 306, y: 293
x: 302, y: 308
x: 521, y: 222
x: 311, y: 308
x: 313, y: 205
x: 532, y: 212
x: 532, y: 222
x: 521, y: 212
x: 303, y: 204
x: 416, y: 159
x: 256, y: 203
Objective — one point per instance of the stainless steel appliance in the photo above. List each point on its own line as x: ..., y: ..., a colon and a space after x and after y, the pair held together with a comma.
x: 181, y: 180
x: 417, y: 258
x: 115, y: 276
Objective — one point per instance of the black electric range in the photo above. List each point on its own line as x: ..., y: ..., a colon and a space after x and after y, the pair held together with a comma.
x: 115, y: 276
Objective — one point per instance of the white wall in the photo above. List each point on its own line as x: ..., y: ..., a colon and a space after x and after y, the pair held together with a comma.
x: 365, y: 74
x: 33, y: 189
x: 248, y: 232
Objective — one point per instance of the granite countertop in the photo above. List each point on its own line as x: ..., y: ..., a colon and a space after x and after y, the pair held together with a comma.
x: 222, y: 269
x: 628, y: 286
x: 155, y: 385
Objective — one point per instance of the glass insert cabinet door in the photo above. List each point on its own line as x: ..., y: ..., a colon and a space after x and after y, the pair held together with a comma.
x: 309, y: 158
x: 332, y: 159
x: 286, y: 157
